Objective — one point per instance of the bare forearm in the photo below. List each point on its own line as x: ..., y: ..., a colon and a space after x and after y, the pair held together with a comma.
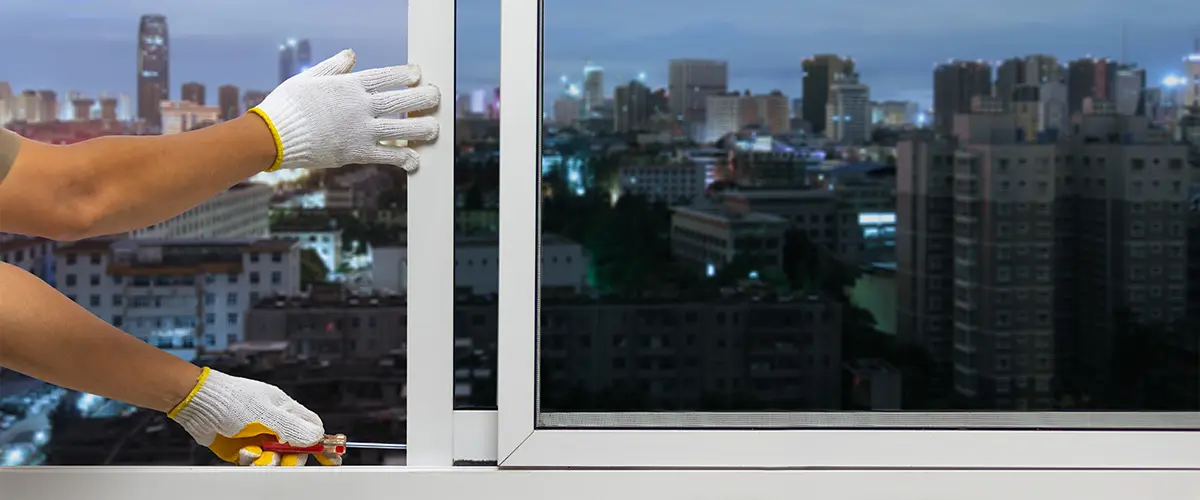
x: 47, y: 336
x: 114, y: 184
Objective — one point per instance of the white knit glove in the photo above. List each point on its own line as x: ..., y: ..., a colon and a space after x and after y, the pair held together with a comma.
x: 234, y: 416
x: 327, y: 117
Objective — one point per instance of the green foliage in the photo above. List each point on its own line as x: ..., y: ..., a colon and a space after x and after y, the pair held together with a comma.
x: 312, y: 268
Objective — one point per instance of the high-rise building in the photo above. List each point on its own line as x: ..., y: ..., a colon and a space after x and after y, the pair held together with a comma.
x: 1040, y: 108
x: 593, y: 87
x: 1130, y: 84
x: 1035, y: 69
x: 1014, y: 258
x: 192, y: 92
x: 848, y: 114
x: 1191, y: 80
x: 820, y: 72
x: 566, y: 110
x: 303, y: 56
x: 125, y: 107
x: 227, y: 100
x: 252, y: 98
x: 287, y: 59
x: 690, y: 82
x: 153, y: 68
x: 1090, y: 78
x: 108, y: 109
x: 731, y: 112
x: 727, y: 113
x: 48, y: 102
x: 82, y: 108
x: 897, y: 113
x: 632, y: 107
x: 955, y: 85
x: 774, y: 112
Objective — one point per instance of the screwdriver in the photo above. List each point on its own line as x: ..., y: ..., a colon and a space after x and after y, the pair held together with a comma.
x: 335, y: 444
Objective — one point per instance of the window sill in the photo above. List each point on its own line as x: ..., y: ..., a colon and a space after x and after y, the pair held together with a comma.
x: 188, y: 483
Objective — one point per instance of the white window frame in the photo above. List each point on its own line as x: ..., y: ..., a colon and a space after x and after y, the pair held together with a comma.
x: 439, y: 434
x: 662, y: 440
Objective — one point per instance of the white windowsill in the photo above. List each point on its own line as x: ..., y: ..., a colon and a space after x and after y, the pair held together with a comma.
x: 207, y: 483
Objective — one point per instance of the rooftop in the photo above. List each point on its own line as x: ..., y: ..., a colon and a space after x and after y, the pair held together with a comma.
x: 725, y: 216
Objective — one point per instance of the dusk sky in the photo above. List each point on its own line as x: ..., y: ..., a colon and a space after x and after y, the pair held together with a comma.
x: 90, y: 46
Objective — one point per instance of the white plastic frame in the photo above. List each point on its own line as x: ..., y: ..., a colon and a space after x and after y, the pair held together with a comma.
x: 523, y: 444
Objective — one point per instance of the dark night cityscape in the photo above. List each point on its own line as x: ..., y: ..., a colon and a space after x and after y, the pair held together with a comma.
x: 1018, y: 234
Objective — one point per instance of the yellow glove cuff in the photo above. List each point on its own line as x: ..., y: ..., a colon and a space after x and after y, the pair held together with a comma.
x: 274, y: 135
x: 183, y: 404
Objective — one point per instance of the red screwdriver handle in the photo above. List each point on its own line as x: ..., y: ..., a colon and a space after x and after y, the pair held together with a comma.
x: 287, y: 448
x: 333, y: 444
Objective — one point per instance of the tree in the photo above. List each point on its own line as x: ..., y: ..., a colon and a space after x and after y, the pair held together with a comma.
x: 312, y: 268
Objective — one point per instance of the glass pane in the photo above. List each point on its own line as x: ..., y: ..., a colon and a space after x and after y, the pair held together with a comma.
x: 730, y: 223
x: 292, y: 279
x: 477, y: 203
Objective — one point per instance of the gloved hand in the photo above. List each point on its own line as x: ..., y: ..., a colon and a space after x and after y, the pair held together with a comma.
x: 234, y: 416
x: 327, y: 117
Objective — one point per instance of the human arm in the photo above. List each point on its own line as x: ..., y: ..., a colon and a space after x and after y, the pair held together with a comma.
x: 325, y: 117
x: 49, y: 337
x: 112, y: 184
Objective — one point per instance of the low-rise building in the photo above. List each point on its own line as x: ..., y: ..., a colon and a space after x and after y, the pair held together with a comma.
x: 711, y: 236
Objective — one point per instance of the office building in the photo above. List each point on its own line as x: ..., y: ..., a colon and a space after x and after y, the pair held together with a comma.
x: 108, y: 108
x: 710, y: 236
x: 820, y: 214
x: 227, y: 101
x: 1090, y: 78
x: 153, y: 77
x: 193, y: 92
x: 820, y: 73
x: 848, y: 114
x: 690, y: 82
x: 955, y: 85
x: 673, y: 184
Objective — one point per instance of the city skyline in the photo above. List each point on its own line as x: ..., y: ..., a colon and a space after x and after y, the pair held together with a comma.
x: 764, y: 51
